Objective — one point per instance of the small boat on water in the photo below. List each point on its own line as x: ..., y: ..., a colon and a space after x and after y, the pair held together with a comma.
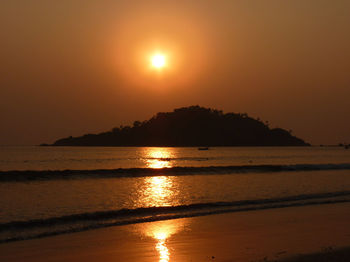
x: 203, y: 148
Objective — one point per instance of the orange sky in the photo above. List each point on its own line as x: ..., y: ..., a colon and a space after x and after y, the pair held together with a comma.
x: 73, y: 67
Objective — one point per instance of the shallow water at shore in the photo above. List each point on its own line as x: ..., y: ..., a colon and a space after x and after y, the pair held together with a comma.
x: 264, y: 235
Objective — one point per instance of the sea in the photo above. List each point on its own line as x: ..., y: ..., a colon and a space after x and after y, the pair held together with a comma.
x: 47, y: 191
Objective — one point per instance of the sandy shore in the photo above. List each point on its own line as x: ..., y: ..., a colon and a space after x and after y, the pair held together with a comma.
x: 274, y: 234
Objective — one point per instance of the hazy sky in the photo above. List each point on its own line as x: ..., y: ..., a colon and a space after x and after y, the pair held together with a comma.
x: 72, y: 67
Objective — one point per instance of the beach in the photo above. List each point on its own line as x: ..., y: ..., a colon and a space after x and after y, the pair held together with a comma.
x: 263, y: 235
x: 174, y: 131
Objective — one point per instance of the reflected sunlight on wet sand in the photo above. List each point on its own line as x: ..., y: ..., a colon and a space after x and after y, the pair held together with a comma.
x: 161, y: 232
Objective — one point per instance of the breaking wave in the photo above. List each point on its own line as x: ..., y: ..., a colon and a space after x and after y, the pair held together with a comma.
x: 33, y: 175
x: 21, y: 230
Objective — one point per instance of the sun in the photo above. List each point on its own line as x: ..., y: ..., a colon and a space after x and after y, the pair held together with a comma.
x: 158, y: 60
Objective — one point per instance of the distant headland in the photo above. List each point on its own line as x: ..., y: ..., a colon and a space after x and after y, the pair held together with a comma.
x: 190, y: 126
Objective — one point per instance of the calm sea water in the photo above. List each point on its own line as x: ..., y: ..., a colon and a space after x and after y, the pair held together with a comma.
x: 65, y: 189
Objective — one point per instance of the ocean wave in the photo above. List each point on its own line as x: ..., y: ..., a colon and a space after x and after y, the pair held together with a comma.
x: 21, y: 230
x: 34, y: 175
x: 111, y: 159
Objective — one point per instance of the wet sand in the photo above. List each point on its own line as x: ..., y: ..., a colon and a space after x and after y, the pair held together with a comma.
x: 274, y: 234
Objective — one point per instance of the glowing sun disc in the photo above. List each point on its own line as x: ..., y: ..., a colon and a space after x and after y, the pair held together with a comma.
x: 158, y: 60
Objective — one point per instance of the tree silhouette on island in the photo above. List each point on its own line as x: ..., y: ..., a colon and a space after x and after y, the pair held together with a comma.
x: 190, y: 126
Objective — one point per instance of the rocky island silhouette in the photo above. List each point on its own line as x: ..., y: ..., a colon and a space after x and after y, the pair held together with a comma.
x: 190, y: 126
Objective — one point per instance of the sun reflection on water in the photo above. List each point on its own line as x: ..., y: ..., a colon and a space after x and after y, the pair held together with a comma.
x: 157, y: 157
x: 159, y: 190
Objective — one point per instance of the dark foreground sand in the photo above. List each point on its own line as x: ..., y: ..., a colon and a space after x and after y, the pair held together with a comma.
x: 340, y: 255
x: 266, y: 235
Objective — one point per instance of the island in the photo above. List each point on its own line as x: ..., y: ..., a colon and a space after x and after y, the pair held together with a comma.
x: 192, y: 126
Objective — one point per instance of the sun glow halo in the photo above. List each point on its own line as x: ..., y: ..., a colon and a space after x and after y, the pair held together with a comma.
x: 158, y: 61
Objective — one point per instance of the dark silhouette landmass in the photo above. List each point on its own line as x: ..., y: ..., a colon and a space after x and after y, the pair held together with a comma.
x: 190, y: 126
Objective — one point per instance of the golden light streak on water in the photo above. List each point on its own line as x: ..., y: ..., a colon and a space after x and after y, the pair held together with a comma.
x: 158, y: 157
x: 158, y: 191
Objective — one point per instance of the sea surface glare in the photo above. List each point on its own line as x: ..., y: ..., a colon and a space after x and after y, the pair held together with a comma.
x: 54, y: 190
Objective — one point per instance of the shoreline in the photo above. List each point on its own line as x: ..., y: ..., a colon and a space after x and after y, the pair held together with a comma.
x: 271, y: 234
x: 285, y: 203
